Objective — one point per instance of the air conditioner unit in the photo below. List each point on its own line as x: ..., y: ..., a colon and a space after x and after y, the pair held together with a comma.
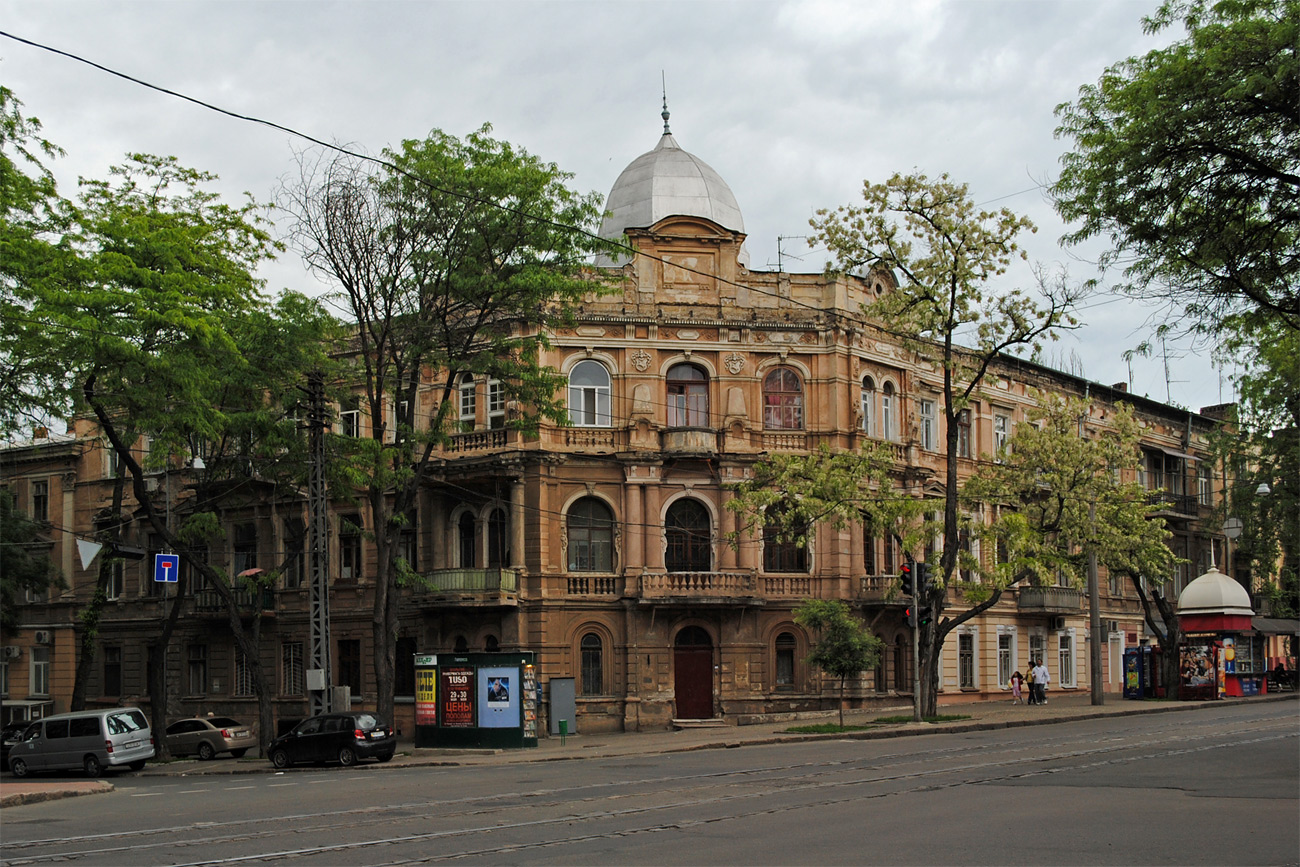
x: 44, y: 636
x: 1057, y: 622
x: 12, y: 651
x: 151, y: 484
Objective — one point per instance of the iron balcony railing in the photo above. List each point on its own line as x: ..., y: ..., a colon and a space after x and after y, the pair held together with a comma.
x: 470, y: 580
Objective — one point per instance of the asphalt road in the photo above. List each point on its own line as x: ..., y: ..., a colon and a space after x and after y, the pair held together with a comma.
x: 1219, y: 786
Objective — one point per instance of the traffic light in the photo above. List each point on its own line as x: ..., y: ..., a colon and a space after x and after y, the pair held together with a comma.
x: 911, y: 615
x: 908, y: 574
x: 924, y: 614
x: 922, y: 578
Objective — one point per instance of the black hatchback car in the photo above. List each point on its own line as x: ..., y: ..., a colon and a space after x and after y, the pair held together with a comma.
x: 334, y: 737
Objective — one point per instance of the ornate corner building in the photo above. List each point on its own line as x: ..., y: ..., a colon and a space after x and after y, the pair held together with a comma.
x: 603, y: 545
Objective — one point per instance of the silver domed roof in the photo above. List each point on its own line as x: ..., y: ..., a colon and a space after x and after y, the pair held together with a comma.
x: 664, y: 182
x: 1214, y: 593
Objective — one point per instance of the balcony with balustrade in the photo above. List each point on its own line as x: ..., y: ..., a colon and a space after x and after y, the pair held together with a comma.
x: 468, y: 587
x: 1049, y: 600
x: 211, y: 601
x: 703, y: 588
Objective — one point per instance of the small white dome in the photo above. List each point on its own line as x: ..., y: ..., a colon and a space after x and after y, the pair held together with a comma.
x: 664, y: 182
x: 1214, y: 593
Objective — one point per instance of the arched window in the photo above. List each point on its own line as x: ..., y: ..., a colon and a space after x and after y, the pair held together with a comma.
x: 593, y: 672
x: 498, y: 552
x: 869, y: 406
x: 690, y: 542
x: 785, y: 647
x: 591, y: 536
x: 491, y: 644
x: 688, y: 396
x: 465, y: 541
x: 781, y: 549
x: 589, y: 394
x: 466, y: 390
x: 460, y: 645
x: 782, y: 400
x: 888, y: 429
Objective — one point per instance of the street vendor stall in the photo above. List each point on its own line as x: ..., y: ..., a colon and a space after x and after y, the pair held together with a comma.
x: 1220, y: 655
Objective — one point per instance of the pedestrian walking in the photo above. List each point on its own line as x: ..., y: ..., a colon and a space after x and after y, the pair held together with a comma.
x: 1041, y: 679
x: 1017, y: 680
x: 1032, y: 694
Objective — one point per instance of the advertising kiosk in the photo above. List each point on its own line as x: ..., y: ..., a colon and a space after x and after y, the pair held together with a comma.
x: 484, y: 700
x: 1220, y: 655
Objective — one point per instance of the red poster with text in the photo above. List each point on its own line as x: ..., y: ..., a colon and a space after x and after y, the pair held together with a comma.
x: 458, y: 697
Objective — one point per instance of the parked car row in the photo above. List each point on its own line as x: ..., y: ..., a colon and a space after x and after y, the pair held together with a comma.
x: 97, y: 740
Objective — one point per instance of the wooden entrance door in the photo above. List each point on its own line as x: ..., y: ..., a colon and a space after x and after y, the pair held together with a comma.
x: 693, y: 673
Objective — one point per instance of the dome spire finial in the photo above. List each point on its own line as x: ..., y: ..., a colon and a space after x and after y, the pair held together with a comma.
x: 664, y: 113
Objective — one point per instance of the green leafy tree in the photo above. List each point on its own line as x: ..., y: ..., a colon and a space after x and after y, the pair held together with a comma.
x: 1187, y: 160
x: 33, y: 222
x: 24, y: 564
x: 946, y: 254
x: 1058, y: 500
x: 844, y: 647
x: 453, y: 258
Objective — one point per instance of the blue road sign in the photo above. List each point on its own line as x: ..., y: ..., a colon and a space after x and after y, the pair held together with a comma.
x: 167, y: 568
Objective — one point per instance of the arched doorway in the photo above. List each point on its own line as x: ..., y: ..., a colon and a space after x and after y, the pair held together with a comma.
x: 693, y: 673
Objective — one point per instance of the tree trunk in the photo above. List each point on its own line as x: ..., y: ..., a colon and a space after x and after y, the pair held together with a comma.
x: 1168, y: 634
x: 384, y: 623
x: 90, y: 616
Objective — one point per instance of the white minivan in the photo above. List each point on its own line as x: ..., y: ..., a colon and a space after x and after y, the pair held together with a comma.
x: 89, y: 739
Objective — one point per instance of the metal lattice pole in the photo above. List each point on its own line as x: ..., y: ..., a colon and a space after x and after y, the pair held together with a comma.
x: 318, y: 543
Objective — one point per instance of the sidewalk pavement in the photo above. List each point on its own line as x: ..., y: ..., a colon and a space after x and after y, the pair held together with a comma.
x: 1061, y: 707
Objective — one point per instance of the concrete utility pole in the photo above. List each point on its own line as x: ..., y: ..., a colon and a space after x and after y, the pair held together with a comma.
x: 318, y: 671
x: 1094, y: 619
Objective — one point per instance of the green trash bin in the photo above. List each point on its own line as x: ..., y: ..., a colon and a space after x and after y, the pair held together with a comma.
x: 564, y: 730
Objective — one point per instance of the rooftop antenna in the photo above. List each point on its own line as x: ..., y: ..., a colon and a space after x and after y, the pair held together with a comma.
x: 664, y: 113
x: 781, y: 255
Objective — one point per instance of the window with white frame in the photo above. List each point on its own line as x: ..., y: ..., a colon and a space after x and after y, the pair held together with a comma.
x: 869, y: 406
x: 963, y: 434
x: 925, y: 413
x: 496, y: 404
x: 1065, y: 657
x: 1205, y: 486
x: 350, y: 549
x: 1001, y: 433
x: 350, y: 419
x: 4, y: 677
x: 243, y: 674
x: 39, y: 666
x: 966, y: 661
x: 589, y: 395
x: 888, y: 410
x: 1006, y: 658
x: 292, y: 681
x: 1037, y: 649
x: 468, y: 395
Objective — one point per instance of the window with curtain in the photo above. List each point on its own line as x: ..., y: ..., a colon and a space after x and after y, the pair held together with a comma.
x: 589, y: 395
x: 782, y: 400
x: 689, y: 536
x: 591, y: 536
x: 688, y: 396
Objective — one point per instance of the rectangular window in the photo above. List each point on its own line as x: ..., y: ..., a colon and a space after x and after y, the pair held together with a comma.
x: 41, y: 501
x: 292, y: 680
x: 966, y: 661
x: 349, y: 673
x: 350, y: 549
x: 112, y: 671
x: 4, y: 677
x: 963, y: 434
x: 407, y: 547
x: 1001, y: 433
x: 1205, y: 486
x: 1006, y: 658
x: 350, y: 419
x: 39, y: 682
x: 925, y: 411
x: 1065, y: 657
x: 116, y: 580
x: 869, y: 551
x: 243, y: 674
x: 197, y: 661
x: 1037, y: 649
x: 404, y: 668
x: 589, y: 405
x: 295, y: 552
x: 244, y: 549
x: 496, y: 404
x: 891, y: 556
x: 467, y: 391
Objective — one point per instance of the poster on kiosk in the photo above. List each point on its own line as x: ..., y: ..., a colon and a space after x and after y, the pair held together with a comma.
x: 476, y: 700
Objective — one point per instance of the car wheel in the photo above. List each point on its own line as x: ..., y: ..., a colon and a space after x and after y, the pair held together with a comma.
x: 239, y: 754
x: 347, y: 757
x: 280, y: 759
x: 92, y: 766
x: 205, y: 751
x: 19, y: 768
x: 137, y: 765
x: 386, y: 758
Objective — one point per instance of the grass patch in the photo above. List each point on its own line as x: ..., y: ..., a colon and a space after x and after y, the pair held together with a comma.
x: 943, y: 717
x: 824, y: 729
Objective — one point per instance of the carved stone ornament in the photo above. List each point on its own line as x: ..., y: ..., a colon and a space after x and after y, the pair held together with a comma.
x: 641, y: 360
x: 735, y: 363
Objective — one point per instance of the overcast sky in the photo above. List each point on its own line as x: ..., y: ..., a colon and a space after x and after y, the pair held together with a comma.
x: 794, y: 104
